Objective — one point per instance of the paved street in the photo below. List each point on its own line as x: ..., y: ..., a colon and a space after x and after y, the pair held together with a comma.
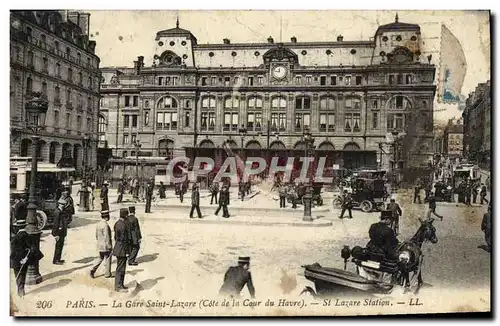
x: 177, y: 260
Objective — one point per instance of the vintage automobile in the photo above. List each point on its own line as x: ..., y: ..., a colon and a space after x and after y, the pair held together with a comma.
x: 367, y: 194
x: 48, y: 187
x: 443, y: 192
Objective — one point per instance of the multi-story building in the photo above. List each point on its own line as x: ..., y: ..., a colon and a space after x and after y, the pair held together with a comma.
x: 193, y: 98
x: 453, y: 136
x: 51, y: 54
x: 477, y: 125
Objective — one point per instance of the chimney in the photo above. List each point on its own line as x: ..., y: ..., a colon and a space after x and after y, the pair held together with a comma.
x: 138, y: 64
x: 340, y: 38
x: 226, y: 41
x: 270, y: 39
x: 293, y: 39
x: 140, y: 59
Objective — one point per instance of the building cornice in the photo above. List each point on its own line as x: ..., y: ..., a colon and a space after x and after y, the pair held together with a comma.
x: 230, y: 46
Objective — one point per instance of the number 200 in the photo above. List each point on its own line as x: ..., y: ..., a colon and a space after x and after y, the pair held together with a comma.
x: 44, y: 304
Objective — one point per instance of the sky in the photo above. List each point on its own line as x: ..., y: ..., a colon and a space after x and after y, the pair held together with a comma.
x: 121, y: 36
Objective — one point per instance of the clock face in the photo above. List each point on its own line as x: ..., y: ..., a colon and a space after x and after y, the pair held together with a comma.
x: 279, y: 72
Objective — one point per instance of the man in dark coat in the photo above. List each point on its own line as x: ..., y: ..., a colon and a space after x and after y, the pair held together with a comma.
x: 396, y: 213
x: 62, y: 216
x: 135, y: 236
x: 482, y: 194
x: 486, y: 228
x: 416, y: 194
x: 282, y: 193
x: 182, y: 190
x: 241, y: 189
x: 104, y: 197
x: 223, y: 202
x: 236, y: 278
x: 149, y: 196
x: 121, y: 249
x: 346, y: 204
x: 382, y: 236
x: 195, y: 201
x: 23, y: 252
x: 468, y: 190
x: 432, y: 207
x: 474, y: 191
x: 214, y: 190
x: 121, y: 189
x: 161, y: 190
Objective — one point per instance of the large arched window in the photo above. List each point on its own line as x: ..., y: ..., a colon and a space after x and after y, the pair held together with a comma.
x: 254, y: 113
x: 399, y: 102
x: 278, y: 114
x: 102, y: 128
x: 302, y: 113
x: 352, y: 115
x: 327, y: 106
x: 166, y: 115
x: 29, y: 85
x: 231, y: 113
x: 208, y: 104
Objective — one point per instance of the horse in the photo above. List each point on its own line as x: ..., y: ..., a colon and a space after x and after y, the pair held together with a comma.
x: 410, y: 253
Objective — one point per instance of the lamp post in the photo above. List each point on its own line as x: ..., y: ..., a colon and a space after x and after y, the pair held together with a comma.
x: 84, y: 194
x: 36, y: 110
x: 308, y: 141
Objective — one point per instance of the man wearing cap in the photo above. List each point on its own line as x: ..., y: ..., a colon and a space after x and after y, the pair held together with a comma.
x: 23, y: 252
x: 121, y: 249
x: 195, y: 201
x: 236, y: 277
x: 104, y: 197
x: 223, y: 202
x: 62, y: 216
x: 135, y: 236
x: 396, y: 213
x: 104, y: 246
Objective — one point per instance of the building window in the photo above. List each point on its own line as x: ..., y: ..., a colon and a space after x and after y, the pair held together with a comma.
x: 231, y: 103
x: 374, y: 120
x: 352, y: 103
x: 254, y: 102
x: 166, y: 120
x: 80, y: 78
x: 56, y: 46
x: 250, y: 81
x: 146, y: 118
x: 278, y: 103
x: 68, y: 120
x: 375, y: 104
x: 79, y: 121
x: 298, y: 80
x: 57, y: 94
x: 398, y: 121
x: 102, y: 128
x: 260, y: 80
x: 133, y: 140
x: 30, y: 59
x: 308, y: 80
x: 70, y: 75
x: 327, y: 103
x: 391, y: 79
x: 352, y: 122
x: 126, y: 121
x: 333, y: 80
x: 160, y: 81
x: 136, y: 101
x: 134, y: 121
x: 68, y: 52
x: 254, y: 121
x: 358, y: 80
x: 227, y: 81
x: 395, y: 121
x: 146, y: 104
x: 89, y: 124
x: 29, y: 32
x: 125, y: 141
x: 213, y: 81
x: 208, y: 103
x: 45, y: 65
x: 175, y: 80
x: 187, y: 119
x: 303, y: 103
x: 68, y: 96
x: 400, y: 78
x: 56, y: 119
x: 302, y: 121
x: 322, y: 80
x: 327, y: 122
x: 409, y: 79
x: 188, y: 104
x: 127, y: 100
x: 348, y: 80
x: 278, y: 121
x: 79, y: 58
x: 203, y: 81
x: 44, y: 89
x: 230, y: 121
x: 124, y: 154
x: 58, y: 70
x: 208, y: 121
x: 90, y: 82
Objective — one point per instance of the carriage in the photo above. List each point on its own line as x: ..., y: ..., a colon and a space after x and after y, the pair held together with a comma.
x: 48, y: 186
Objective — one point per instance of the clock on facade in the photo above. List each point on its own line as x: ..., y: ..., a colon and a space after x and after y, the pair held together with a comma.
x: 279, y: 72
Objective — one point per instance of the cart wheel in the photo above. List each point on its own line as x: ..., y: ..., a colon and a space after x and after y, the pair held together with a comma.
x: 337, y: 202
x: 366, y: 206
x: 41, y: 219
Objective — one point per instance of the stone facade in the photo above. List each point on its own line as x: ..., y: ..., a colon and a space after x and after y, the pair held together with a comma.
x: 193, y: 98
x: 477, y: 125
x: 453, y: 138
x: 50, y: 53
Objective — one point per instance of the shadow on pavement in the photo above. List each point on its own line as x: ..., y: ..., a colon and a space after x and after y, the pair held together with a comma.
x: 50, y: 287
x: 85, y: 260
x: 147, y: 258
x: 145, y: 285
x: 134, y: 272
x: 81, y: 221
x: 64, y: 272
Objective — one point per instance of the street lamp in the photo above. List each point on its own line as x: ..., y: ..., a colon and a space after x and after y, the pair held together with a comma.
x: 36, y: 110
x: 84, y: 194
x: 308, y: 141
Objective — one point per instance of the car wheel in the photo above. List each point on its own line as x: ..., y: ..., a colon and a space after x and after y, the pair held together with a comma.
x: 337, y: 202
x: 366, y: 206
x: 41, y: 219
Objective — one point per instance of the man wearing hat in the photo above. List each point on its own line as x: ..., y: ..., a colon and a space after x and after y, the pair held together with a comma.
x: 104, y: 246
x: 135, y: 236
x: 149, y: 196
x: 121, y: 249
x: 23, y: 252
x: 236, y: 277
x: 346, y: 204
x: 223, y: 202
x: 195, y: 201
x: 382, y: 236
x: 62, y: 217
x: 396, y: 213
x: 104, y: 197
